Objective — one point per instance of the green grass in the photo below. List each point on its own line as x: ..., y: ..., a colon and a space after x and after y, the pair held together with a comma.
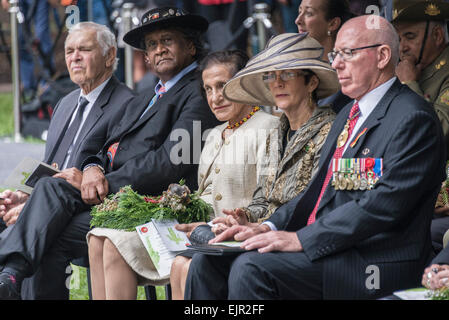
x: 7, y: 118
x: 79, y: 290
x: 6, y: 114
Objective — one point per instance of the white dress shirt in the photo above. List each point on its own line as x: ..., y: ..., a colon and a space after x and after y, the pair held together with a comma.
x: 91, y: 97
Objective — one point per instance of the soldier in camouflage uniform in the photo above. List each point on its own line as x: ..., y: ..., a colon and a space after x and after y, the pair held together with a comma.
x: 424, y: 52
x: 424, y: 67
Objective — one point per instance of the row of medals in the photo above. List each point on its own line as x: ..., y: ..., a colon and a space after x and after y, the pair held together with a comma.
x: 353, y: 181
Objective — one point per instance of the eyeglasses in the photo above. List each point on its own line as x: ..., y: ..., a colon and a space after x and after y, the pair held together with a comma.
x: 346, y: 54
x: 269, y: 77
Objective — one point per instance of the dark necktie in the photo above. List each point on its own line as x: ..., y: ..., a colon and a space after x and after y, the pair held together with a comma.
x: 69, y: 134
x: 341, y: 143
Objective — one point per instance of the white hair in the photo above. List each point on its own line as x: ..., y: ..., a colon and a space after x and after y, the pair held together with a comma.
x: 105, y: 38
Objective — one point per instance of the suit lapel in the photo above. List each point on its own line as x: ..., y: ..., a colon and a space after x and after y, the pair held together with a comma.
x: 370, y: 123
x: 163, y: 101
x: 373, y: 120
x: 97, y: 109
x: 61, y: 126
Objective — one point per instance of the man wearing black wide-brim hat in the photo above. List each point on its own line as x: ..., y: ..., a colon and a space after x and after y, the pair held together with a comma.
x: 424, y: 52
x: 146, y: 151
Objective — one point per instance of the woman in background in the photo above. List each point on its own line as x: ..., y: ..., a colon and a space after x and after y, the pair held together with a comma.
x: 322, y: 19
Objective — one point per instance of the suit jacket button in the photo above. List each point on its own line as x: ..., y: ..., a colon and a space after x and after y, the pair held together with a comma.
x: 217, y: 170
x: 218, y: 197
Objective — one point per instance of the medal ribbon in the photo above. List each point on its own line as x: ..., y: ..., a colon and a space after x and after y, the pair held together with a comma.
x: 353, y: 117
x: 354, y: 142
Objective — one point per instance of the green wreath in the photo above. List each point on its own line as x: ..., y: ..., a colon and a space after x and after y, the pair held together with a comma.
x: 127, y: 209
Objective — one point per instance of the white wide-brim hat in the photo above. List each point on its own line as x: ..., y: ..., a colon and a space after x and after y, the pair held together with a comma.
x: 283, y: 52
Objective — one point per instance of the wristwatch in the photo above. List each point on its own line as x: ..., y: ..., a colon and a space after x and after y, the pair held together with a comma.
x: 94, y: 165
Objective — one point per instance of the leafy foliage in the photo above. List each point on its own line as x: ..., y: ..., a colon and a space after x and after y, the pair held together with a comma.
x: 440, y: 294
x: 127, y: 209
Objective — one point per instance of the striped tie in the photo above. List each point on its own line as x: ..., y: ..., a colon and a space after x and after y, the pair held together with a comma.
x: 160, y: 92
x: 352, y: 120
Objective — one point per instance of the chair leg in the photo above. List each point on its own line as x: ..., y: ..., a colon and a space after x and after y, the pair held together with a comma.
x: 150, y: 292
x: 168, y: 292
x: 89, y: 284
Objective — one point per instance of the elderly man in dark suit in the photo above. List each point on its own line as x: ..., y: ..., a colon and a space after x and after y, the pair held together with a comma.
x: 91, y: 67
x: 143, y: 151
x: 346, y: 237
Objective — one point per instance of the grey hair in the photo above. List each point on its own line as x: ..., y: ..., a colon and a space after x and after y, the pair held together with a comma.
x: 105, y: 38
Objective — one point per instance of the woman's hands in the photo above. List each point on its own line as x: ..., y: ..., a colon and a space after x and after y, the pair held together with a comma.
x: 436, y: 276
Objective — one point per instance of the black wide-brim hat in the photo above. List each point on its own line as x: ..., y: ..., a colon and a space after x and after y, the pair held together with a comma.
x: 161, y: 18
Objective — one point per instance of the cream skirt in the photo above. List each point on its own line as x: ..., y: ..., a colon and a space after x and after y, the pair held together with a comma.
x: 134, y: 253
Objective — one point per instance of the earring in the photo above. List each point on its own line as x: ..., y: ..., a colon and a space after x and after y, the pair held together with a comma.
x: 329, y: 33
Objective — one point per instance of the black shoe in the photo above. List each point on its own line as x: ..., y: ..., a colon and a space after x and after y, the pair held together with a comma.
x: 9, y: 287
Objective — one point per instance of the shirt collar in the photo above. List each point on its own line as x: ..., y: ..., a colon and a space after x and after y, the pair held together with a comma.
x: 93, y: 95
x: 170, y: 83
x: 370, y: 100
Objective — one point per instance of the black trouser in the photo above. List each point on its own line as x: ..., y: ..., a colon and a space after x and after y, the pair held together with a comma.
x: 438, y: 228
x: 254, y: 276
x: 48, y: 234
x: 2, y: 226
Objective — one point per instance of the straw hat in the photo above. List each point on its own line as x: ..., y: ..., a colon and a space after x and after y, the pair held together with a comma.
x: 283, y: 52
x: 420, y: 10
x: 161, y: 18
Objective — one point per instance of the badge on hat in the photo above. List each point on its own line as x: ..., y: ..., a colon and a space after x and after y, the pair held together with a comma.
x: 420, y: 10
x: 432, y: 10
x: 164, y: 17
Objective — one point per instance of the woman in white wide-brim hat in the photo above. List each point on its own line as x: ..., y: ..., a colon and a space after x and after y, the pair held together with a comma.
x: 290, y: 75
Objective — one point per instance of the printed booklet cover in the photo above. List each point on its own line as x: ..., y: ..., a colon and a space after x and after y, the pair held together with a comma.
x: 27, y: 173
x: 162, y: 242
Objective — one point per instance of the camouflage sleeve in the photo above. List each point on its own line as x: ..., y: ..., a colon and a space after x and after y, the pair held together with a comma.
x: 441, y: 106
x: 414, y: 85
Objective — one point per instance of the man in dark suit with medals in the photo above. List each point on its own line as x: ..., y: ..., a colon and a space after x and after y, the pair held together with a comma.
x: 143, y: 151
x: 330, y: 243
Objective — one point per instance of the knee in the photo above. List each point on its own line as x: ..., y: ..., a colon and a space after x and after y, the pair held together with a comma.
x: 111, y: 255
x: 95, y: 247
x: 51, y: 184
x: 178, y: 266
x: 185, y: 267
